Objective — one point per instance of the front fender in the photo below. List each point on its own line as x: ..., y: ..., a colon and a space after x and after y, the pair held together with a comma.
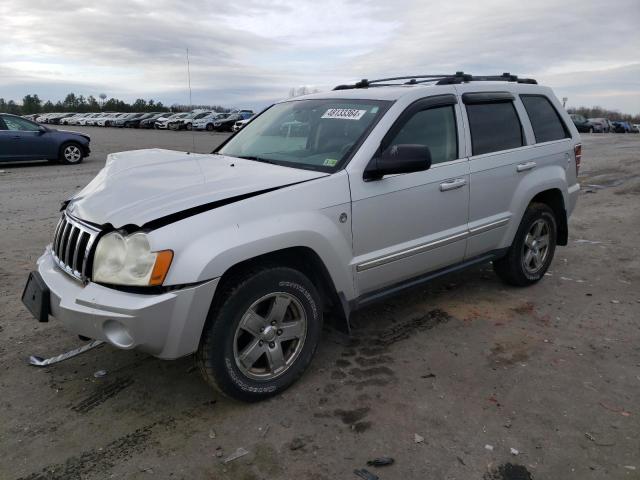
x: 207, y: 245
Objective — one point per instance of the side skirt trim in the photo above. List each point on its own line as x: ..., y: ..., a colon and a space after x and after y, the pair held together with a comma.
x: 385, y: 292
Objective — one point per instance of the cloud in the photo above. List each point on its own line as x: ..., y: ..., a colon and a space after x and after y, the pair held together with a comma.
x: 251, y: 52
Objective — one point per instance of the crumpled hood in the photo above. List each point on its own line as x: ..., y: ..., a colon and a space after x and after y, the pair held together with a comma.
x: 140, y: 186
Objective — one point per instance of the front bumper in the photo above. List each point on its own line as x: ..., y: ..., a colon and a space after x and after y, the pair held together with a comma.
x: 166, y: 325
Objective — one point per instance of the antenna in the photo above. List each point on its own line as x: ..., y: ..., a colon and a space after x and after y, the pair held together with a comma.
x: 193, y: 136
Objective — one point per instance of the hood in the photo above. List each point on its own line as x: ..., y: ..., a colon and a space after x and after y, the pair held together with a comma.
x: 140, y: 186
x: 80, y: 134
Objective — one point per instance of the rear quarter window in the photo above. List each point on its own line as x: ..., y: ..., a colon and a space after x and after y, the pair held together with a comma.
x: 545, y: 120
x: 494, y: 127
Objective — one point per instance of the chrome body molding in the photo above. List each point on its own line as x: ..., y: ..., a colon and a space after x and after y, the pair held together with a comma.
x: 430, y: 246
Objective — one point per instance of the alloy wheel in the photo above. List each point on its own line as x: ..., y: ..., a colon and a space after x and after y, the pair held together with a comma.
x: 270, y: 336
x: 72, y: 154
x: 536, y: 246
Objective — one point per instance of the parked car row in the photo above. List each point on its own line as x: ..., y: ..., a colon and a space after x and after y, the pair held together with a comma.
x: 195, y: 120
x: 602, y: 125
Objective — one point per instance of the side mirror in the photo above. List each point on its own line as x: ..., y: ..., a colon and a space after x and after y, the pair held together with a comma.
x: 403, y: 158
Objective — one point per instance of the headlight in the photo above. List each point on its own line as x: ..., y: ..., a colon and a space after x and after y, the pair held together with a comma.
x: 128, y: 260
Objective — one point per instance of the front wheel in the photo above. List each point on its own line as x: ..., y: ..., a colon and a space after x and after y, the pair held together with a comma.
x: 70, y: 154
x: 209, y: 127
x: 262, y: 335
x: 531, y: 252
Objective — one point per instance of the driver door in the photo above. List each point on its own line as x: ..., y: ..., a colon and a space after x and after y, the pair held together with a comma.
x: 24, y: 140
x: 410, y: 224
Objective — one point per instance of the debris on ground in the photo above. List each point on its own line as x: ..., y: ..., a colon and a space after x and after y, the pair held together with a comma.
x: 212, y: 433
x: 381, y: 462
x: 219, y: 452
x: 418, y: 438
x: 621, y: 411
x: 264, y: 431
x: 365, y: 474
x: 630, y: 467
x: 508, y: 471
x: 488, y: 447
x: 589, y: 242
x: 296, y: 444
x: 240, y: 452
x: 100, y: 374
x: 429, y: 375
x: 514, y: 451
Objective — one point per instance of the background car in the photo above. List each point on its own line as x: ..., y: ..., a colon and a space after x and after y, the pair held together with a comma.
x: 206, y: 122
x: 150, y: 121
x: 600, y: 125
x: 226, y: 124
x: 582, y: 124
x: 241, y: 123
x: 22, y: 139
x: 134, y: 122
x: 622, y: 127
x: 163, y: 124
x: 122, y: 119
x: 186, y: 123
x: 88, y: 120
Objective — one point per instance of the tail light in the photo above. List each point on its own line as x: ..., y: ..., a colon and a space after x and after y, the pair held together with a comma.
x: 577, y: 151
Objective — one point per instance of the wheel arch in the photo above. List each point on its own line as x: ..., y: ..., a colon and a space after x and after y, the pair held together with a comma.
x: 301, y: 258
x: 555, y: 200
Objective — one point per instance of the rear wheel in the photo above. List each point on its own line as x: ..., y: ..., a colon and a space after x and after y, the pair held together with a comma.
x: 209, y: 127
x: 188, y: 126
x: 70, y: 154
x: 531, y: 252
x: 263, y: 334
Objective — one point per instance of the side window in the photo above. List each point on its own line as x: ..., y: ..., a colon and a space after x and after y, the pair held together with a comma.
x: 435, y: 128
x: 547, y: 124
x: 15, y: 123
x: 494, y: 127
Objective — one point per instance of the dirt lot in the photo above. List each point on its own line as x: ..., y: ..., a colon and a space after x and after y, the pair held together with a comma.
x: 469, y: 365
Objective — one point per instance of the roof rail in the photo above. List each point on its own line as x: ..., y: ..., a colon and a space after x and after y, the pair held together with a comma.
x: 458, y: 77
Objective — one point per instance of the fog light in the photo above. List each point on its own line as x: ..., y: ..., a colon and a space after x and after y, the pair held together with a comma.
x: 117, y: 334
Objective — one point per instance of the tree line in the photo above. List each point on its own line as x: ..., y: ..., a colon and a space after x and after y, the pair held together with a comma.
x: 80, y: 104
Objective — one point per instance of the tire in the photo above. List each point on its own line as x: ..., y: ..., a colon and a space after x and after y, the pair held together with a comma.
x: 521, y: 266
x: 246, y: 305
x: 209, y: 127
x: 188, y: 126
x: 71, y: 154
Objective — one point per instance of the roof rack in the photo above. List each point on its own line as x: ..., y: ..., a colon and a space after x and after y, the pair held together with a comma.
x: 458, y: 77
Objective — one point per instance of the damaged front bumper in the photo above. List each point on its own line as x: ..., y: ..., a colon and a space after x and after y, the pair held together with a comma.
x: 166, y: 325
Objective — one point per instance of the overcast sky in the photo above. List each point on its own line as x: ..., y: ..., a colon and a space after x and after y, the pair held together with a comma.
x: 250, y: 53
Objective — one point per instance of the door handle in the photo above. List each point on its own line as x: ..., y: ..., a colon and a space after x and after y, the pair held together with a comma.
x: 453, y: 184
x: 523, y: 167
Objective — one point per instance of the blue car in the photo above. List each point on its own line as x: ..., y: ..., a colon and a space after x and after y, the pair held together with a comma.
x: 22, y: 139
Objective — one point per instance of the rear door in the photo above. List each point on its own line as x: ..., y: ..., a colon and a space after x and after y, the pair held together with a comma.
x: 410, y: 224
x: 499, y: 158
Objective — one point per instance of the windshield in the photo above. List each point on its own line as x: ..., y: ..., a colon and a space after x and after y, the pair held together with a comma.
x: 311, y: 134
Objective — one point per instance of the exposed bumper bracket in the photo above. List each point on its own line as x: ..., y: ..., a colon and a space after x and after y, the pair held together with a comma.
x: 44, y: 362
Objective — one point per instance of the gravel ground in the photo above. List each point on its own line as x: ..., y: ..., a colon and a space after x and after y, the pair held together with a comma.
x: 447, y: 379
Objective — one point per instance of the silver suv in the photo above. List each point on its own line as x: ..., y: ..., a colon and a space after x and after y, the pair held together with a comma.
x: 325, y: 202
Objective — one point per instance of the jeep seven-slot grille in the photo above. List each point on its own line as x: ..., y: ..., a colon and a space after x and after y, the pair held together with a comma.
x: 71, y: 246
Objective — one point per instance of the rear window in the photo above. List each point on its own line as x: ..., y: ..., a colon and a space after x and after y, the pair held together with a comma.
x: 494, y: 127
x: 546, y: 123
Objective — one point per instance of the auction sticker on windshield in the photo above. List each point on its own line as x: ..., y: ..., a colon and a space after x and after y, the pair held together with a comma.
x: 344, y: 113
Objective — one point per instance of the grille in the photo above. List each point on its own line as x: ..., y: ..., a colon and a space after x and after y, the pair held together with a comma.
x: 72, y: 244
